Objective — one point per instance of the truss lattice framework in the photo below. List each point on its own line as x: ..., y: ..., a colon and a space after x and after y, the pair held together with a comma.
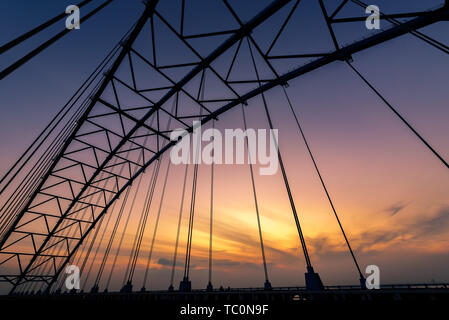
x: 142, y: 98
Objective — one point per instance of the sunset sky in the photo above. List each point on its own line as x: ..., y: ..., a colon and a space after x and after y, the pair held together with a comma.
x: 391, y: 193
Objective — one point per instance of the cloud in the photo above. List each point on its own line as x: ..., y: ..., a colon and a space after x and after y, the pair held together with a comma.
x: 324, y: 246
x: 435, y: 225
x: 233, y: 263
x: 395, y: 208
x: 227, y: 263
x: 169, y: 263
x: 422, y: 228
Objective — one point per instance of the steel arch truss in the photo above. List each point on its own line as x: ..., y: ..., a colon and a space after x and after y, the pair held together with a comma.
x: 150, y: 91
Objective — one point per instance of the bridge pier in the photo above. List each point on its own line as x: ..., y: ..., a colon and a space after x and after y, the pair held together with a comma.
x: 94, y: 289
x: 185, y: 285
x: 127, y: 288
x: 267, y: 285
x: 313, y: 280
x: 209, y: 287
x: 362, y: 282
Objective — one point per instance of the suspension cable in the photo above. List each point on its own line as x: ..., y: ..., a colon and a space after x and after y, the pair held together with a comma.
x: 262, y: 247
x: 67, y: 232
x: 132, y: 263
x: 126, y: 226
x: 191, y: 220
x: 398, y: 115
x: 78, y: 253
x: 123, y: 233
x: 30, y: 181
x: 160, y: 206
x: 11, y: 68
x: 150, y: 254
x: 144, y: 220
x: 111, y: 239
x: 100, y: 223
x: 86, y: 258
x: 11, y: 44
x: 196, y: 147
x: 434, y: 43
x: 70, y: 103
x: 76, y: 208
x: 19, y: 197
x: 312, y: 157
x: 175, y: 254
x: 9, y: 216
x: 54, y: 250
x: 281, y: 164
x: 76, y: 256
x: 139, y: 226
x: 73, y: 99
x: 211, y: 221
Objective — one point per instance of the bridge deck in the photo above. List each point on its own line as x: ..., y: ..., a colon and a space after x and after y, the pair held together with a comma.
x: 428, y: 292
x: 279, y: 304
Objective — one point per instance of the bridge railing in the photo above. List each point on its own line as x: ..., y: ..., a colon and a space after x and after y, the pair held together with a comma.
x: 336, y: 287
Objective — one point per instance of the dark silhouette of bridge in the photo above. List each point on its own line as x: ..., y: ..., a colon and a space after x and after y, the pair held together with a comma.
x: 60, y: 194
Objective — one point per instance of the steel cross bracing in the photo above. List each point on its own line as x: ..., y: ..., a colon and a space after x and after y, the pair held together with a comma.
x: 119, y: 135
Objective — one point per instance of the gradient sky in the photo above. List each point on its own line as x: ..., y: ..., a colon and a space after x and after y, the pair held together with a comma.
x: 390, y: 191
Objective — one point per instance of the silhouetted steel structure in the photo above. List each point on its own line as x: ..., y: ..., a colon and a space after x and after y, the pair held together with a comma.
x: 124, y: 126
